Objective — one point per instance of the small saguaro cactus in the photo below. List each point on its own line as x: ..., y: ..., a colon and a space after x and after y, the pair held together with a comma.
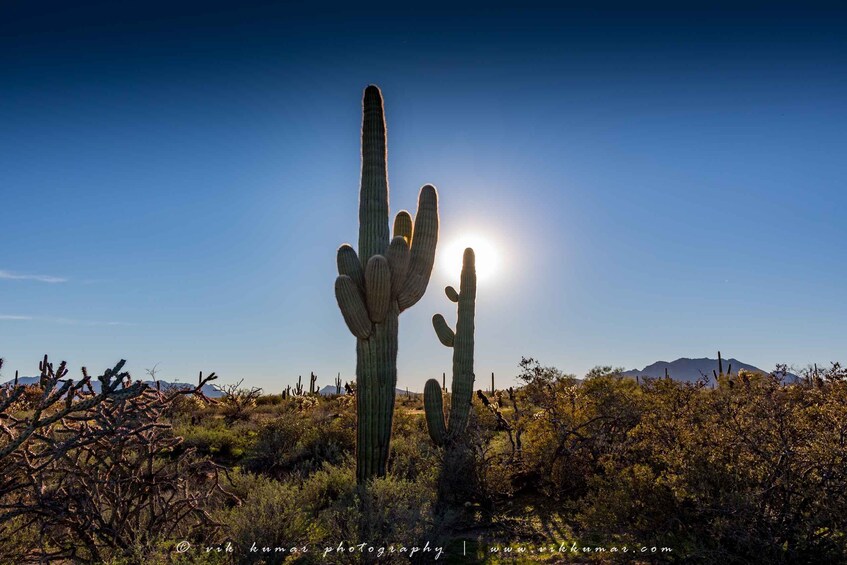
x: 313, y: 379
x: 338, y: 384
x: 385, y: 277
x: 719, y: 372
x: 462, y: 342
x: 298, y: 390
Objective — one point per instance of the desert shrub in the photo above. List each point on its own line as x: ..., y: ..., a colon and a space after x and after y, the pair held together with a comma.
x: 166, y: 554
x: 302, y: 440
x: 269, y: 400
x: 574, y: 426
x: 271, y: 515
x: 184, y: 407
x: 390, y: 511
x: 397, y: 511
x: 750, y: 471
x: 413, y: 455
x: 31, y: 397
x: 465, y: 466
x: 223, y: 443
x: 413, y: 401
x: 326, y: 509
x: 236, y: 401
x: 495, y: 466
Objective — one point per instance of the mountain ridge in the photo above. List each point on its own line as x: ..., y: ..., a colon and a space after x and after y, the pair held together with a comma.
x: 688, y: 369
x: 208, y: 389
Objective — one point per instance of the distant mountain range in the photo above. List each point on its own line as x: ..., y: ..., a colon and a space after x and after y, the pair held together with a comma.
x: 208, y: 389
x: 683, y: 369
x: 689, y: 370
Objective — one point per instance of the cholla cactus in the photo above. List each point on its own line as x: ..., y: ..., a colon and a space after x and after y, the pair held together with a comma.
x: 374, y: 286
x: 62, y: 461
x: 462, y: 342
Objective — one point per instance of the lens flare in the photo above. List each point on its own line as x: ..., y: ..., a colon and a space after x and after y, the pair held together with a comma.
x: 487, y: 257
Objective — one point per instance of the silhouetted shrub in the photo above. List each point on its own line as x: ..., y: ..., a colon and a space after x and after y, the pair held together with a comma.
x: 100, y: 476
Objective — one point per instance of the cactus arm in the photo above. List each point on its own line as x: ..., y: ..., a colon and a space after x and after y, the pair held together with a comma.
x: 398, y: 261
x: 434, y: 412
x: 445, y: 335
x: 422, y: 250
x: 349, y: 264
x: 450, y: 292
x: 378, y: 284
x: 403, y: 225
x: 373, y: 195
x: 353, y: 307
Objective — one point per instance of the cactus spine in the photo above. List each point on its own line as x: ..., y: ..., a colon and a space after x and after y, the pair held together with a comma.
x: 374, y: 286
x: 462, y: 342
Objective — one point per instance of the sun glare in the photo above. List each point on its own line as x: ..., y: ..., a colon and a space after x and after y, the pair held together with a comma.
x: 487, y: 257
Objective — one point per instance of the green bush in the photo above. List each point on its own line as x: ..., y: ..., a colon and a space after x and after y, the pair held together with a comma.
x: 413, y: 456
x: 300, y: 442
x: 222, y: 443
x: 326, y: 509
x: 271, y: 514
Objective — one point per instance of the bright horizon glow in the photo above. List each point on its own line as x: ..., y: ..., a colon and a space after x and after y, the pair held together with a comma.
x: 487, y: 256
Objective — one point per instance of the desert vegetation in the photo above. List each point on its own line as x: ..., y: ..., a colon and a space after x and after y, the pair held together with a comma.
x: 738, y: 470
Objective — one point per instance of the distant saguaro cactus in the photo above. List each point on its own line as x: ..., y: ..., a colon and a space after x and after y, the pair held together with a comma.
x: 719, y: 372
x: 374, y: 286
x: 462, y: 342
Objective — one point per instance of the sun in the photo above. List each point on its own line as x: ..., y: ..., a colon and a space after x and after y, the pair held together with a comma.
x: 487, y: 257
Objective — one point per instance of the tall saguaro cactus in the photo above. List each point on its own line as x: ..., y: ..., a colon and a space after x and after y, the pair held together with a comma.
x: 462, y: 342
x: 374, y: 286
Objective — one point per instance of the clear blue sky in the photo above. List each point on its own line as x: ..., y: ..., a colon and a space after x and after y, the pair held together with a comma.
x: 660, y: 182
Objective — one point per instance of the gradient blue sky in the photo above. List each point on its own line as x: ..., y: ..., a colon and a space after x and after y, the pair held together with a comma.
x: 661, y: 182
